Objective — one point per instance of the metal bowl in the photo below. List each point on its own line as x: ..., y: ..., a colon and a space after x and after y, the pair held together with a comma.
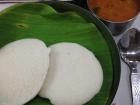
x: 115, y: 27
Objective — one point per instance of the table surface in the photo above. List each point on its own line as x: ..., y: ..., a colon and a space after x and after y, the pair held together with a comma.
x: 123, y: 96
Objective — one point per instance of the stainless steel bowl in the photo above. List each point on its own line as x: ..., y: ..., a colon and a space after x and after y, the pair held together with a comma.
x: 115, y: 27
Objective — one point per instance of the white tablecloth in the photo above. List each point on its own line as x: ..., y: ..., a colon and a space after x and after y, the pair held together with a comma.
x: 123, y: 96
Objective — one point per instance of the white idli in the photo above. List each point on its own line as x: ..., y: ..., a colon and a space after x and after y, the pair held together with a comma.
x: 75, y: 76
x: 23, y: 67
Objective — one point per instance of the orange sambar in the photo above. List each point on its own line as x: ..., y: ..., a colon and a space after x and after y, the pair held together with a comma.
x: 115, y: 10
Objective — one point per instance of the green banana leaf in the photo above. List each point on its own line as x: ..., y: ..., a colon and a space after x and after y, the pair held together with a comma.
x: 39, y: 20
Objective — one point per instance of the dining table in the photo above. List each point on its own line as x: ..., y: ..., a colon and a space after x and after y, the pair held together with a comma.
x: 123, y: 95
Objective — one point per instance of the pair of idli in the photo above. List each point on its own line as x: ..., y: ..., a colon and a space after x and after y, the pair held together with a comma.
x: 69, y: 75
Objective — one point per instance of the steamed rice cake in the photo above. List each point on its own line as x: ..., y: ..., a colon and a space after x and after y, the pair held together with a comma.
x: 75, y: 75
x: 23, y: 67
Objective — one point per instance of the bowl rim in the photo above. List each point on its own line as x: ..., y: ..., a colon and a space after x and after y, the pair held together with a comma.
x: 107, y: 20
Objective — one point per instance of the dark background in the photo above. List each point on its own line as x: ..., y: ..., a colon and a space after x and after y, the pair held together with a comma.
x: 82, y: 3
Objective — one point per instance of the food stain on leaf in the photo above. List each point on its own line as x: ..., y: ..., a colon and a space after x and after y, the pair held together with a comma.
x: 22, y: 25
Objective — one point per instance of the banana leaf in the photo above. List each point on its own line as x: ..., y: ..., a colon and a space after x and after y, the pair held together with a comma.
x: 41, y: 21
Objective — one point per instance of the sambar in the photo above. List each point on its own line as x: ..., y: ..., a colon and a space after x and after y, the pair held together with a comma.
x: 115, y: 10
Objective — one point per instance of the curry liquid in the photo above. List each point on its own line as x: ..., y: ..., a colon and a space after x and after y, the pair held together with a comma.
x: 115, y: 10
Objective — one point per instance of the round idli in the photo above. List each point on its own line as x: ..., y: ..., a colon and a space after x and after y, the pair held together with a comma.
x: 23, y: 68
x: 75, y: 76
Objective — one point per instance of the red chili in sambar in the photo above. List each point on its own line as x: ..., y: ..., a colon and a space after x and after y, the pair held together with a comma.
x: 115, y: 10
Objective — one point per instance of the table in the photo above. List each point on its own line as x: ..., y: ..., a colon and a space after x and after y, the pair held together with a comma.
x: 123, y: 96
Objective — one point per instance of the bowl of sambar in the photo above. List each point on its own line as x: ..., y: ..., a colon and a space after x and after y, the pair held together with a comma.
x: 118, y: 15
